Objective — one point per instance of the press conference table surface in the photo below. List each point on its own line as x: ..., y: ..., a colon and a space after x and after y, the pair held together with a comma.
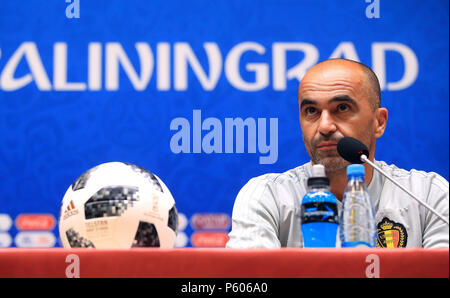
x: 225, y: 263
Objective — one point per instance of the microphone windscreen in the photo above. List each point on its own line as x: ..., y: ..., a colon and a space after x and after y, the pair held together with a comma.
x: 351, y: 149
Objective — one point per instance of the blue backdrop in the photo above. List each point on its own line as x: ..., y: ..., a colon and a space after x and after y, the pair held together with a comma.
x: 87, y: 82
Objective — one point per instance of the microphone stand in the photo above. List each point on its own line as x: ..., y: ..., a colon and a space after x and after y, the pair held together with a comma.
x: 365, y: 159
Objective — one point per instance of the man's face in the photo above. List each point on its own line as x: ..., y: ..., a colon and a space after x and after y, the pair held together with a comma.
x: 333, y: 103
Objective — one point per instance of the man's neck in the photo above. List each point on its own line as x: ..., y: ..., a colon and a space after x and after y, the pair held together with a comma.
x: 338, y: 180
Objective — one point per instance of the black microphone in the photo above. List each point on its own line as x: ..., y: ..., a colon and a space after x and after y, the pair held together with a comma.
x: 354, y: 151
x: 351, y: 149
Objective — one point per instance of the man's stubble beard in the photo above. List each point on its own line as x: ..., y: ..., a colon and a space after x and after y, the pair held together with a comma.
x: 332, y: 163
x: 331, y: 159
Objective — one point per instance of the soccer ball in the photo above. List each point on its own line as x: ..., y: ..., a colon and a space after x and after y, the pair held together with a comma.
x: 118, y: 205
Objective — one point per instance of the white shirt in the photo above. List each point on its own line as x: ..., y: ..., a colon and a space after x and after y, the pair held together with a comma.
x: 266, y: 212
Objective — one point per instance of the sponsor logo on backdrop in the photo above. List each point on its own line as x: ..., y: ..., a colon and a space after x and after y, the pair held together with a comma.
x: 210, y: 221
x: 182, y: 221
x: 5, y: 240
x: 181, y: 240
x: 269, y: 70
x: 35, y: 239
x: 209, y: 239
x: 210, y: 229
x: 40, y: 222
x: 5, y: 222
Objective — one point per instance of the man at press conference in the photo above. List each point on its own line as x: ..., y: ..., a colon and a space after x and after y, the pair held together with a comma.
x: 340, y: 98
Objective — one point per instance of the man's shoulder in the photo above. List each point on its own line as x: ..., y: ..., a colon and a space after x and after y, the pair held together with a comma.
x: 284, y: 188
x: 293, y: 175
x: 414, y: 176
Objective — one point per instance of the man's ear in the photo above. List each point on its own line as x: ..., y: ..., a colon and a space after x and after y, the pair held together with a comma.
x: 381, y: 119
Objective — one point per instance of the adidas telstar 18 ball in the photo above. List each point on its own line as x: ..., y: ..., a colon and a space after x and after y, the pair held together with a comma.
x: 118, y: 205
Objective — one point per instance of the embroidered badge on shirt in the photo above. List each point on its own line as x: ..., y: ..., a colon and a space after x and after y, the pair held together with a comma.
x: 391, y: 234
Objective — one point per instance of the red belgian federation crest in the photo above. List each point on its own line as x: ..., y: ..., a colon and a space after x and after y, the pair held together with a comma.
x: 391, y: 234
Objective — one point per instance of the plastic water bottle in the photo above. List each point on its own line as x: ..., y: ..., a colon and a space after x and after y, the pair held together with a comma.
x: 357, y: 219
x: 319, y: 215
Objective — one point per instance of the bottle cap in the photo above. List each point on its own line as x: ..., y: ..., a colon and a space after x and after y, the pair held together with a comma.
x: 318, y: 170
x: 355, y: 169
x: 318, y: 176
